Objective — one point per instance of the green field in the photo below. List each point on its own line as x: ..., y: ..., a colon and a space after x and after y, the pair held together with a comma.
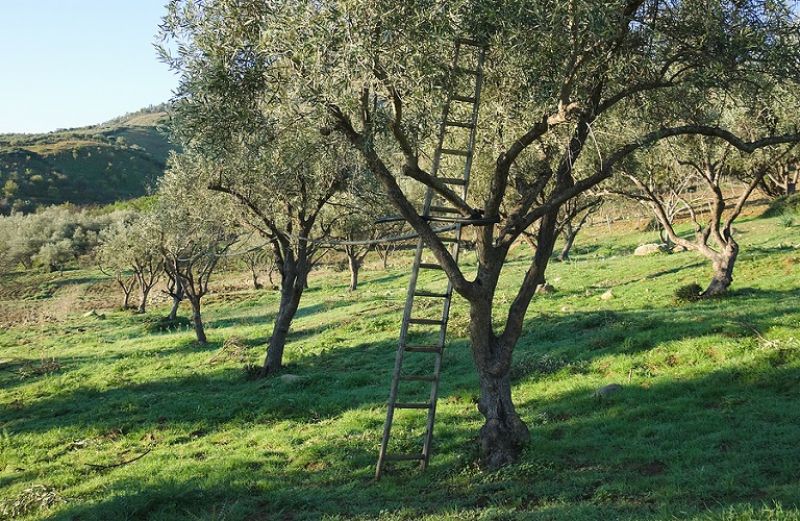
x: 102, y: 419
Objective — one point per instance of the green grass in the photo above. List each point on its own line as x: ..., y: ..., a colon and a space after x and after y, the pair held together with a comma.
x: 705, y: 427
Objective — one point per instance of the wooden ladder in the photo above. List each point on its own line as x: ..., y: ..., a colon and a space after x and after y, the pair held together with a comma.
x: 460, y: 116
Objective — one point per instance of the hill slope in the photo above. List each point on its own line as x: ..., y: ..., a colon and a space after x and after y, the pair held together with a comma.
x: 119, y: 159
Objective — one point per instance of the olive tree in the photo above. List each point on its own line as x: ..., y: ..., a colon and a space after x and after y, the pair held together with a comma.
x: 574, y: 215
x: 280, y: 175
x: 782, y: 175
x: 558, y: 75
x: 130, y: 252
x: 356, y: 215
x: 713, y: 209
x: 196, y: 231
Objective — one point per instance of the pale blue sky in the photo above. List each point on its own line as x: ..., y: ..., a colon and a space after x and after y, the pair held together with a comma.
x: 69, y: 63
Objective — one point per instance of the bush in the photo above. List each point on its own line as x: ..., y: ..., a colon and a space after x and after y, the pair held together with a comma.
x: 164, y: 324
x: 688, y: 293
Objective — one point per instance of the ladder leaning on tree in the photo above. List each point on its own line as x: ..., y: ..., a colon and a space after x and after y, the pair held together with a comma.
x: 450, y: 153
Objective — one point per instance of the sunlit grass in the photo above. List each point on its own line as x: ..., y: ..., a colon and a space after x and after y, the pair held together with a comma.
x: 705, y: 426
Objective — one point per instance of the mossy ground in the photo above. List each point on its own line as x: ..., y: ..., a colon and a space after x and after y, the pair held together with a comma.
x: 706, y: 425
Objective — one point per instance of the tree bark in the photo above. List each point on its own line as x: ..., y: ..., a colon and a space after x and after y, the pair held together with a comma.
x: 569, y: 241
x: 256, y: 284
x: 723, y: 271
x: 198, y: 321
x: 354, y: 265
x: 173, y: 313
x: 503, y: 434
x: 126, y: 291
x: 293, y: 282
x: 143, y: 302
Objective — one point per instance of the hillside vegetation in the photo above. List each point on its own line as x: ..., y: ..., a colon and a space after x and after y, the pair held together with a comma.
x: 112, y: 161
x: 102, y: 418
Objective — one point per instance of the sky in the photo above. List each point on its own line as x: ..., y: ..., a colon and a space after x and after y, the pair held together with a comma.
x: 70, y: 63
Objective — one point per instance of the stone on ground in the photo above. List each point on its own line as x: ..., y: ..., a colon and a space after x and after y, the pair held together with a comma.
x: 644, y: 250
x: 607, y: 390
x: 545, y: 289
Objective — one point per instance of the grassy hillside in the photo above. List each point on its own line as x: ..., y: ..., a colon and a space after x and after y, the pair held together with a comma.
x: 115, y: 160
x: 101, y: 419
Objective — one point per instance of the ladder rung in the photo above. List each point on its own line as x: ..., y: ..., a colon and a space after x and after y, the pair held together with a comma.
x: 466, y: 71
x: 425, y: 321
x: 451, y: 240
x: 462, y: 124
x: 429, y: 266
x: 454, y: 152
x: 404, y: 405
x: 464, y: 99
x: 443, y: 209
x: 471, y: 42
x: 452, y: 180
x: 418, y: 378
x: 423, y: 349
x: 403, y: 457
x: 433, y: 294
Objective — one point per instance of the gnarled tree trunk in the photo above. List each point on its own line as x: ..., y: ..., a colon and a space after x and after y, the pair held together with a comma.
x: 143, y: 300
x: 293, y: 283
x: 197, y: 318
x: 173, y: 312
x: 256, y: 283
x: 354, y: 264
x: 503, y: 434
x: 723, y: 264
x: 569, y: 240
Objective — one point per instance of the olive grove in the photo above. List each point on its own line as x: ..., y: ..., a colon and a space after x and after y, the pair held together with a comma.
x: 561, y: 109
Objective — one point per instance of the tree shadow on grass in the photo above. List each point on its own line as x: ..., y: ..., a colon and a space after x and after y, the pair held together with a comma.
x: 656, y: 449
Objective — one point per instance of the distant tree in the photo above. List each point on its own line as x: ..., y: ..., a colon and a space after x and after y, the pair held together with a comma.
x: 354, y: 214
x: 721, y: 177
x: 781, y: 177
x: 573, y: 217
x: 257, y: 258
x: 196, y: 231
x: 10, y: 189
x: 131, y: 245
x: 55, y: 255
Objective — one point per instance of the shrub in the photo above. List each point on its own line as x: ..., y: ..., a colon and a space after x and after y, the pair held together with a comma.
x: 688, y: 293
x: 164, y: 325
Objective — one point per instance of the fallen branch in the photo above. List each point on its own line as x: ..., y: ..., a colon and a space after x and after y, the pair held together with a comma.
x: 121, y: 463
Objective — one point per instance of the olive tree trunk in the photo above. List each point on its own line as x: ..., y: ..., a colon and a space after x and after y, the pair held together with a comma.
x: 569, y: 240
x: 503, y: 434
x: 355, y: 265
x: 723, y: 264
x: 173, y: 312
x: 293, y: 283
x: 197, y: 318
x: 145, y: 292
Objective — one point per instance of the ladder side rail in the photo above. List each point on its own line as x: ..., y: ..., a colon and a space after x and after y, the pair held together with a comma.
x: 426, y: 449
